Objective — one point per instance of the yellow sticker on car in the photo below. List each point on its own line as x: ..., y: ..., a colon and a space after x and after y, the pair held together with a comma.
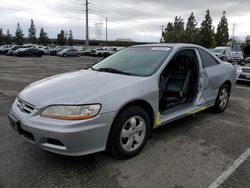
x: 197, y: 110
x: 158, y: 119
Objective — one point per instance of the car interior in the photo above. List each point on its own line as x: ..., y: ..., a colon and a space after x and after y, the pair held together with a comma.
x: 179, y: 80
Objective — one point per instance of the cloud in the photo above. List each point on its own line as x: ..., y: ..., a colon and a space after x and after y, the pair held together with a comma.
x: 138, y: 20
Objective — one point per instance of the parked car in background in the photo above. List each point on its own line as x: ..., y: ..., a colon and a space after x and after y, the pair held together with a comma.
x: 115, y: 103
x: 2, y: 48
x: 98, y: 52
x: 13, y: 49
x: 54, y: 51
x: 110, y: 51
x: 28, y: 52
x: 223, y: 52
x: 30, y: 45
x: 105, y: 51
x: 69, y: 52
x: 85, y: 52
x: 211, y: 50
x: 236, y: 56
x: 45, y: 49
x: 243, y: 72
x: 5, y: 51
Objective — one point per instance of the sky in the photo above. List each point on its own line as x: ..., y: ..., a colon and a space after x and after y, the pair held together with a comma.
x: 138, y: 20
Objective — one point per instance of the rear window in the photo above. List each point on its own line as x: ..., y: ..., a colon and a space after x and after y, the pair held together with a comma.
x: 207, y: 59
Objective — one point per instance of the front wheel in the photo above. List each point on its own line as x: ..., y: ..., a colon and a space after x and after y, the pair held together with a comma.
x: 130, y: 132
x: 222, y: 99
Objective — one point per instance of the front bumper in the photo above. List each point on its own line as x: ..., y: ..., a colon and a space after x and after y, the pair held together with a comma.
x: 73, y: 138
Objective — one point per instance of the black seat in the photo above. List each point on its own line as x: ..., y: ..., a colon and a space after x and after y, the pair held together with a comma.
x: 178, y: 81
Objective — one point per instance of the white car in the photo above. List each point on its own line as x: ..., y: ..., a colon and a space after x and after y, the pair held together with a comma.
x: 236, y: 56
x: 98, y: 51
x: 243, y: 72
x: 223, y: 52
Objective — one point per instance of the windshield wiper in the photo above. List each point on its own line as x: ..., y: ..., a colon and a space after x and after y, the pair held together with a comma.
x: 111, y: 70
x: 92, y: 68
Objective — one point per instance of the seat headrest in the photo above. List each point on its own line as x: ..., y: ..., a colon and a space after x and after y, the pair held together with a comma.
x: 182, y: 60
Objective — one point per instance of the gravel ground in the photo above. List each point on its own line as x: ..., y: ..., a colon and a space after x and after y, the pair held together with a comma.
x: 191, y: 152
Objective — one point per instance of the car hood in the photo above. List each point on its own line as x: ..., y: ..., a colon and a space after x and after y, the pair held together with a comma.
x: 75, y: 87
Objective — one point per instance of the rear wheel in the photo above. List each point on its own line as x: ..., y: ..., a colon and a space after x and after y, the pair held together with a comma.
x: 64, y: 55
x: 222, y: 99
x: 130, y: 132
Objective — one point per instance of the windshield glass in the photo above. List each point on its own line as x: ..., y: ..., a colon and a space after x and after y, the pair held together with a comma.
x: 219, y: 50
x: 137, y: 61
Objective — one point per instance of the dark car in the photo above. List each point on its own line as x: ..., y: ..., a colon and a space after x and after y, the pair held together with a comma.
x: 28, y: 52
x: 4, y: 48
x: 13, y: 49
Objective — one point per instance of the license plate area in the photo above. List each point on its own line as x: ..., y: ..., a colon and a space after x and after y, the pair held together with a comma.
x: 15, y: 123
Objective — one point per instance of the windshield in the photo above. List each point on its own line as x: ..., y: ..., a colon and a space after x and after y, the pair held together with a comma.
x: 137, y: 61
x: 219, y: 50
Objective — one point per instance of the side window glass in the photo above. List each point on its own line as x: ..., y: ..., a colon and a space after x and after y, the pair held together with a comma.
x: 207, y: 59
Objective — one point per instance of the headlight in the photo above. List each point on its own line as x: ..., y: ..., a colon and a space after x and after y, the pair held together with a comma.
x: 65, y: 112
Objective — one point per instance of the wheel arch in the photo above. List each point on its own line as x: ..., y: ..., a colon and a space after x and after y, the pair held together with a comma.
x: 139, y: 103
x: 228, y: 82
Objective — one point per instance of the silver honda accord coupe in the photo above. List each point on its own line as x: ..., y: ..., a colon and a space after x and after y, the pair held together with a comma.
x: 117, y: 102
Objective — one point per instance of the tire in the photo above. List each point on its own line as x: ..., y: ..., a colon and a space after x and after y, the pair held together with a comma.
x: 222, y: 99
x: 64, y: 55
x: 127, y: 138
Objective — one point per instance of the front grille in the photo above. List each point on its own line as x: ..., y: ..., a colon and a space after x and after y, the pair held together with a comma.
x: 246, y: 70
x: 24, y: 106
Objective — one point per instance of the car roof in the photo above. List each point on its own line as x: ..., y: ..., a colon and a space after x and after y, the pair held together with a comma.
x: 172, y: 45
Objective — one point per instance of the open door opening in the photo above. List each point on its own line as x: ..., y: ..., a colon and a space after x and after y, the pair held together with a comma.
x: 179, y: 80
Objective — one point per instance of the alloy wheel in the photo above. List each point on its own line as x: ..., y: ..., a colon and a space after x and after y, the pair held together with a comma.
x: 223, y: 100
x: 133, y: 133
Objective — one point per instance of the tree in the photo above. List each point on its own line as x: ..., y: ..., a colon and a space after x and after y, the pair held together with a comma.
x: 19, y: 35
x: 32, y: 32
x: 222, y: 35
x: 8, y: 37
x: 71, y: 39
x: 192, y: 32
x: 167, y: 35
x: 179, y: 30
x: 61, y: 39
x: 43, y: 37
x: 175, y: 32
x: 207, y: 32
